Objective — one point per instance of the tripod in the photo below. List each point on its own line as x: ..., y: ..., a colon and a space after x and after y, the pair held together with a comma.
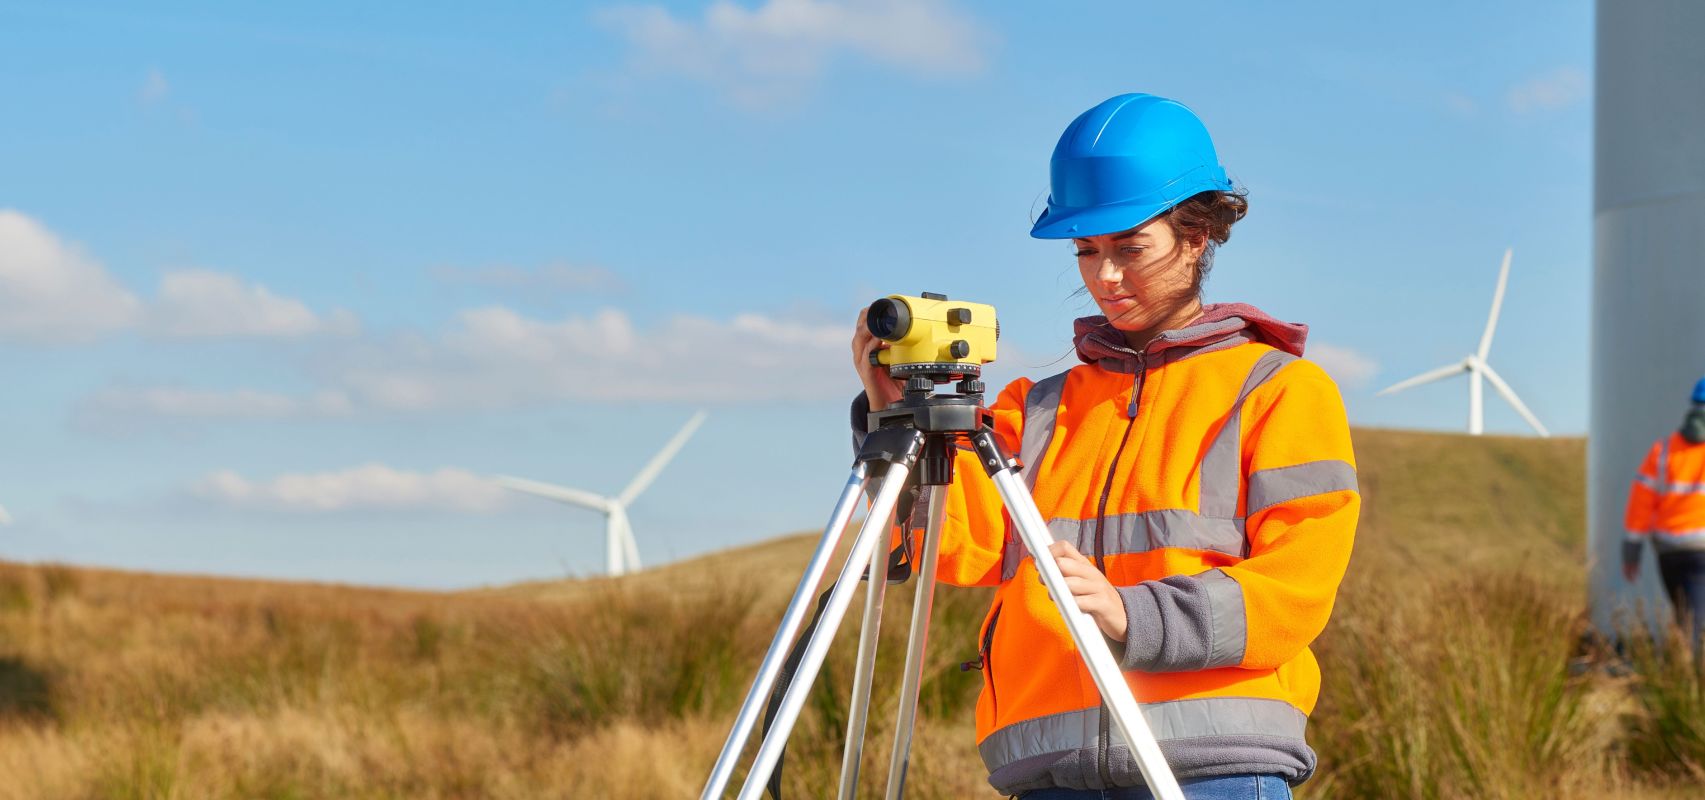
x: 923, y: 430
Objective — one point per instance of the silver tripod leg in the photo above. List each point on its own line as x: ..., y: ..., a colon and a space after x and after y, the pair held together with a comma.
x: 865, y: 673
x: 1108, y: 679
x: 791, y: 621
x: 873, y: 533
x: 916, y: 645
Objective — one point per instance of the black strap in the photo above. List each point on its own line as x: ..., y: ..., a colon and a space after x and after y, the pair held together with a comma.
x: 783, y: 681
x: 900, y: 561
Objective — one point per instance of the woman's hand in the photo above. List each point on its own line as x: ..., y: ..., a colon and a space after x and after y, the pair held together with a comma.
x: 1094, y: 594
x: 882, y: 390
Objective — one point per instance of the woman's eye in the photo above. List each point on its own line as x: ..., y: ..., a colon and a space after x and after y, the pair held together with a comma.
x: 1082, y: 253
x: 1132, y: 251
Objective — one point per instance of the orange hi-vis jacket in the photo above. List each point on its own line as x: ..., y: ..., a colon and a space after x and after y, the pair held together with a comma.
x: 1667, y: 501
x: 1211, y: 479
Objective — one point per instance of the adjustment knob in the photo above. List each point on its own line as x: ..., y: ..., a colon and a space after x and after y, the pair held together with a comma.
x: 874, y: 360
x: 920, y: 383
x: 959, y: 316
x: 971, y: 386
x: 960, y: 348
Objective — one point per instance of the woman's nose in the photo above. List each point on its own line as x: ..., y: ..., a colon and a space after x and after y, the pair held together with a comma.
x: 1110, y: 272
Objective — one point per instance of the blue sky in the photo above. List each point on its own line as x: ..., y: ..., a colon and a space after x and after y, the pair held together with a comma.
x: 280, y: 285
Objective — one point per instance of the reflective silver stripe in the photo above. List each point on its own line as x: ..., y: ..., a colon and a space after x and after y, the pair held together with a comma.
x: 1636, y: 536
x: 1667, y: 542
x: 1143, y: 531
x: 1649, y: 483
x: 1174, y: 719
x: 1684, y: 488
x: 1270, y: 487
x: 1220, y: 482
x: 1041, y: 409
x: 1222, y: 465
x: 1012, y: 554
x: 1229, y: 624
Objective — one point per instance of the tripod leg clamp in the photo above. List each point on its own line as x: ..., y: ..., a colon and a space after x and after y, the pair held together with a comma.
x: 991, y: 453
x: 895, y: 445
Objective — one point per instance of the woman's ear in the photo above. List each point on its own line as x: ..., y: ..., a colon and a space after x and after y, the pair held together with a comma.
x: 1196, y: 246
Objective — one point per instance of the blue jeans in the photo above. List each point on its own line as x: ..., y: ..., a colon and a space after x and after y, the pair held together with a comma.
x: 1224, y: 787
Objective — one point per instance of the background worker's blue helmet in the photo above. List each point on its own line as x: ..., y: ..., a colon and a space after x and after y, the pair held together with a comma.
x: 1125, y: 162
x: 1699, y: 391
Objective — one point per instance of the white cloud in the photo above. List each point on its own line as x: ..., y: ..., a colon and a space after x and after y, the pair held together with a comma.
x: 1350, y: 368
x: 1460, y: 104
x: 122, y: 407
x: 367, y: 487
x: 1557, y: 89
x: 550, y: 277
x: 5, y: 518
x: 202, y: 303
x: 777, y: 50
x: 494, y: 357
x: 154, y: 88
x: 51, y: 292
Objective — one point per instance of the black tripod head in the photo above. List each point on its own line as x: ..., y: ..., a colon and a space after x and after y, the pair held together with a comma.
x: 959, y: 411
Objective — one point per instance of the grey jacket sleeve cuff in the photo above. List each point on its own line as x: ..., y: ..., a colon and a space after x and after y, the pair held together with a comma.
x: 860, y: 420
x: 1631, y: 551
x: 1182, y: 623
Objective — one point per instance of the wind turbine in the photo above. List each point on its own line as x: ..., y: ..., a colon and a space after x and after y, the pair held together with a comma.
x: 621, y: 554
x: 5, y: 518
x: 1477, y: 368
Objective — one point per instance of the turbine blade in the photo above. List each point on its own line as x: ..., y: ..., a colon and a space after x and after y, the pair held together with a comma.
x: 1510, y: 396
x: 621, y: 552
x: 1497, y: 304
x: 561, y: 494
x: 661, y: 460
x: 1426, y: 377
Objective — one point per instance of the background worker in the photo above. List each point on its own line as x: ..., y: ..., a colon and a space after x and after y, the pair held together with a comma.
x: 1667, y: 505
x: 1196, y: 474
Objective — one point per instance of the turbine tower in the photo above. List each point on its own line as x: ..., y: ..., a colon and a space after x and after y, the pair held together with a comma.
x: 621, y: 554
x: 1477, y: 368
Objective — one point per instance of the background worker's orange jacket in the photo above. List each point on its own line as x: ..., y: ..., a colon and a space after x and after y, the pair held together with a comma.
x: 1667, y: 501
x: 1211, y: 478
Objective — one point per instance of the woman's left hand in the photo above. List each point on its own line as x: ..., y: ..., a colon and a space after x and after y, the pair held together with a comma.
x: 1093, y: 592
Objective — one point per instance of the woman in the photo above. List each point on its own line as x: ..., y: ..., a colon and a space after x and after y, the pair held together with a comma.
x: 1197, y: 477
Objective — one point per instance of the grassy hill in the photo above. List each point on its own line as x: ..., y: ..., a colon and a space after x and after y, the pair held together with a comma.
x: 1446, y: 667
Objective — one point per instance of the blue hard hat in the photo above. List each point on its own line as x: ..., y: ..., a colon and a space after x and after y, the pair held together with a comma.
x: 1699, y: 391
x: 1125, y: 162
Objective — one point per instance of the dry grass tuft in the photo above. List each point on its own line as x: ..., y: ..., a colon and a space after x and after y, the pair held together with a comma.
x: 1446, y: 670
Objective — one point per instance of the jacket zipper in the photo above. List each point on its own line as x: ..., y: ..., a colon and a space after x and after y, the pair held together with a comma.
x: 985, y: 659
x: 1101, y: 757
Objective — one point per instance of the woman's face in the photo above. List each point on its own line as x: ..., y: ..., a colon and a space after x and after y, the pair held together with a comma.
x: 1140, y: 277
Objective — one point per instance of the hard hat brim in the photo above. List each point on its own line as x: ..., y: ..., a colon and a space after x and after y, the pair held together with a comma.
x: 1095, y: 221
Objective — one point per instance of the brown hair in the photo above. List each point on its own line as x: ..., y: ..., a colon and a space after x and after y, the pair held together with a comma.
x: 1207, y: 217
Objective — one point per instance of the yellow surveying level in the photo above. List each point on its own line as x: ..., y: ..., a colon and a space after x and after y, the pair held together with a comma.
x: 932, y: 334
